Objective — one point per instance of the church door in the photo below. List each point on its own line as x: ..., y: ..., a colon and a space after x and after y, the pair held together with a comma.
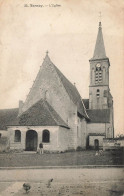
x: 31, y: 140
x: 96, y: 144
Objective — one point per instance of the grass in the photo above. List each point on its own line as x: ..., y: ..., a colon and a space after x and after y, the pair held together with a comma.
x: 62, y: 159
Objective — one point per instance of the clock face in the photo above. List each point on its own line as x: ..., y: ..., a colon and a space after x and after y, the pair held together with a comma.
x: 98, y: 65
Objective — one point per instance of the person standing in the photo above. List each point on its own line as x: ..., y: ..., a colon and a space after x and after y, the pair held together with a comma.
x: 41, y: 147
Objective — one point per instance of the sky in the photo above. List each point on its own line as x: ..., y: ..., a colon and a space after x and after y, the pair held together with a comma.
x: 68, y: 30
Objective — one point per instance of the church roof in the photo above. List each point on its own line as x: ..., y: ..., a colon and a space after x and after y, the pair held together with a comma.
x: 40, y: 114
x: 7, y: 116
x: 86, y: 103
x: 99, y: 52
x: 99, y: 116
x: 72, y: 92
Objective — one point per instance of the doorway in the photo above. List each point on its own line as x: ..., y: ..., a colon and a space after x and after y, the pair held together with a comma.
x: 96, y: 144
x: 31, y: 140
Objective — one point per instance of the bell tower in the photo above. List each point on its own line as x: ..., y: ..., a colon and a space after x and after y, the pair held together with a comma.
x: 99, y: 92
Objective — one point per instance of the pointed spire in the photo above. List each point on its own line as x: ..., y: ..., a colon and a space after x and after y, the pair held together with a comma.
x: 47, y: 58
x: 99, y: 52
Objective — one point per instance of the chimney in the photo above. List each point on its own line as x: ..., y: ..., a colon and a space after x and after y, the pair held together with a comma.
x: 20, y: 106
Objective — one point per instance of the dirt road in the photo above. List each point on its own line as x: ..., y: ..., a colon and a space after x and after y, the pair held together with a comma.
x: 66, y: 182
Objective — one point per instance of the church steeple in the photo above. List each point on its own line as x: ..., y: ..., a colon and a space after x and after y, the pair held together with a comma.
x: 99, y: 52
x: 99, y: 75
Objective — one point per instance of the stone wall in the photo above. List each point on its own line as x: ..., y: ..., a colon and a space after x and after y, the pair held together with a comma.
x: 112, y: 143
x: 102, y: 101
x: 4, y: 141
x: 81, y: 133
x: 58, y: 137
x: 63, y: 139
x: 92, y: 140
x: 3, y: 133
x: 4, y: 144
x: 97, y: 127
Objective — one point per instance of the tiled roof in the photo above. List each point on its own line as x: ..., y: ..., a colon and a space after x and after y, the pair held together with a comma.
x: 86, y: 103
x: 99, y: 116
x: 40, y: 114
x: 7, y: 116
x: 72, y: 92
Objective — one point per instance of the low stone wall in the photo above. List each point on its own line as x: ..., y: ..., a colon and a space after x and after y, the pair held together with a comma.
x: 112, y: 143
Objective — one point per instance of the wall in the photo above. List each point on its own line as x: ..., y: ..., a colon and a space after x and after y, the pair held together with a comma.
x: 4, y: 133
x: 102, y: 101
x: 81, y: 133
x: 105, y: 67
x: 100, y: 128
x: 112, y: 143
x: 63, y: 139
x: 97, y: 127
x: 57, y: 134
x: 4, y: 144
x: 92, y: 138
x: 111, y: 134
x: 4, y: 141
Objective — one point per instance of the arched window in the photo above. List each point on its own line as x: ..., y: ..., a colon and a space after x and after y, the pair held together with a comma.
x: 97, y: 92
x: 17, y: 136
x: 46, y: 136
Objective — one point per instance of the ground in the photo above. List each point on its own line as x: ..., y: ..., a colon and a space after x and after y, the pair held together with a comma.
x: 81, y: 176
x: 62, y: 159
x: 66, y: 182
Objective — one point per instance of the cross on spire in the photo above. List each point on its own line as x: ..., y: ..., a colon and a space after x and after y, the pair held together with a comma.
x: 47, y: 52
x: 100, y: 16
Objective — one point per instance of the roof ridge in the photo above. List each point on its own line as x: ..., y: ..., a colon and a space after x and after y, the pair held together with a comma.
x: 85, y: 109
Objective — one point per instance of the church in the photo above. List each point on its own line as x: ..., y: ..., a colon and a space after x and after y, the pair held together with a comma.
x: 55, y: 114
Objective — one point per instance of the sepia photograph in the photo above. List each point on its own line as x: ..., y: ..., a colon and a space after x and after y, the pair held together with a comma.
x: 61, y: 98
